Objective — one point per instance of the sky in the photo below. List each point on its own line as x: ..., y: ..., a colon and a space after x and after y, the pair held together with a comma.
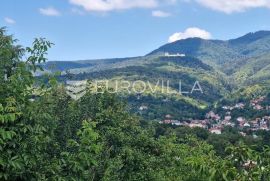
x: 96, y: 29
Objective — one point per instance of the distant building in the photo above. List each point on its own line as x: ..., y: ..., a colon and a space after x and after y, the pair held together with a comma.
x: 196, y: 125
x: 239, y: 106
x: 246, y: 125
x: 167, y: 121
x: 142, y: 108
x: 174, y: 55
x: 176, y: 123
x: 212, y: 115
x: 243, y: 134
x: 215, y: 130
x: 227, y: 118
x: 241, y: 119
x: 168, y: 116
x: 258, y: 107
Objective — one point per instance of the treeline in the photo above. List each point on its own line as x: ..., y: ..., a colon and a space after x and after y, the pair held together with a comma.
x: 45, y: 135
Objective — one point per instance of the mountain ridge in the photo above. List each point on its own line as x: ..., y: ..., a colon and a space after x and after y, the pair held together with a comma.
x: 225, y: 69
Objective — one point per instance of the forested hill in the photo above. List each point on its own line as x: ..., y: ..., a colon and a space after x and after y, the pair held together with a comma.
x: 222, y: 55
x: 225, y: 69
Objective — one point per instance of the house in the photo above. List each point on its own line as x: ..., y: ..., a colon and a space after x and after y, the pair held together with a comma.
x: 247, y: 125
x: 230, y: 124
x: 257, y: 101
x: 239, y: 106
x: 243, y: 134
x: 255, y: 124
x: 215, y: 130
x: 167, y: 121
x: 212, y: 115
x: 227, y: 118
x: 264, y: 127
x: 168, y: 116
x: 176, y: 123
x: 258, y: 107
x: 198, y: 125
x: 241, y: 119
x: 142, y: 108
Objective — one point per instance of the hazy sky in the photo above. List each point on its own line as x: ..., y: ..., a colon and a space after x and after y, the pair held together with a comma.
x: 90, y: 29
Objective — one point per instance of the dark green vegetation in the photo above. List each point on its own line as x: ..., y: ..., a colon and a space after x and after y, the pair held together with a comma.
x: 45, y: 135
x: 230, y: 70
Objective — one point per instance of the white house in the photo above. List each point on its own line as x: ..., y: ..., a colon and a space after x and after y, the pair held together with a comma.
x: 215, y: 130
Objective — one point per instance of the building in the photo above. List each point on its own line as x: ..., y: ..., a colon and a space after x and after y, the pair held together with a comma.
x: 258, y: 107
x: 215, y: 130
x: 247, y: 125
x: 174, y: 55
x: 239, y: 106
x: 227, y: 118
x: 142, y: 108
x: 212, y: 115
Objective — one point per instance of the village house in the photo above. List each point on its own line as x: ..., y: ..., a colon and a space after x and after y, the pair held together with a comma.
x: 194, y: 125
x: 227, y: 118
x: 168, y: 116
x: 212, y: 115
x: 142, y: 108
x: 243, y: 134
x: 226, y: 107
x: 258, y: 107
x: 176, y: 123
x: 167, y: 121
x: 247, y: 125
x: 255, y: 123
x: 215, y: 131
x: 257, y: 101
x: 241, y: 121
x: 239, y: 106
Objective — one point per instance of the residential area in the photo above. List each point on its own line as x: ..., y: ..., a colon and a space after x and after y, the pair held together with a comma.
x: 215, y: 121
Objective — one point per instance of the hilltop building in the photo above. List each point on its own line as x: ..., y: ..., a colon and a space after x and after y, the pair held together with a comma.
x: 174, y: 55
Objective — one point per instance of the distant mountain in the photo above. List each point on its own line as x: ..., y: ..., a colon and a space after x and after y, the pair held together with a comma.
x: 221, y: 53
x: 171, y: 70
x: 80, y: 64
x: 250, y: 38
x: 226, y: 69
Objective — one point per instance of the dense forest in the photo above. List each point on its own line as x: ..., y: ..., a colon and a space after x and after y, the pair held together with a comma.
x: 46, y: 135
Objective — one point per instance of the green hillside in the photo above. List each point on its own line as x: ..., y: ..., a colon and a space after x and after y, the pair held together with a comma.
x: 233, y: 68
x: 173, y: 71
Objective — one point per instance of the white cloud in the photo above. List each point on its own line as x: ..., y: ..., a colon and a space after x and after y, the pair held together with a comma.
x: 160, y: 14
x: 227, y: 6
x: 50, y: 11
x: 9, y: 20
x: 230, y: 6
x: 190, y: 33
x: 110, y: 5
